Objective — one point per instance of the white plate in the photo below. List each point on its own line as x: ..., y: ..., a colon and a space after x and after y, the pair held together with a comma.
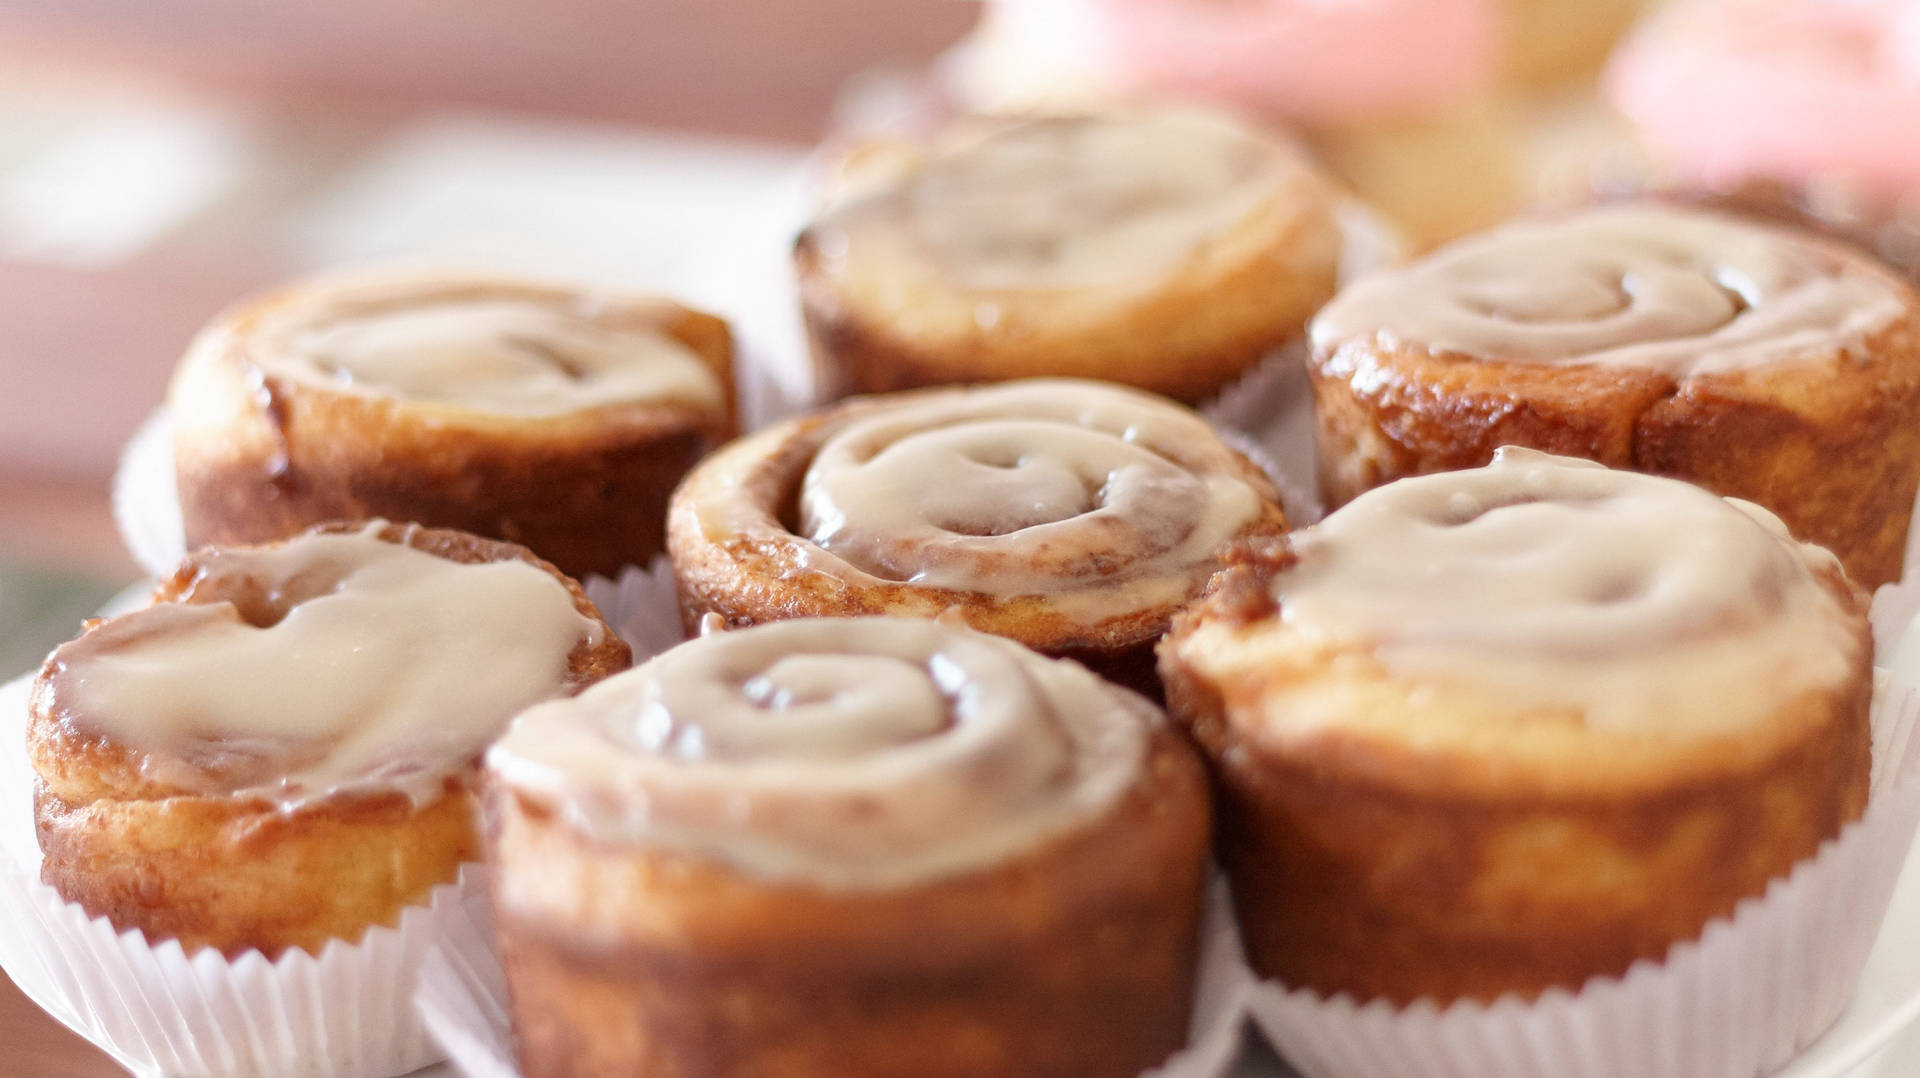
x: 1887, y: 1000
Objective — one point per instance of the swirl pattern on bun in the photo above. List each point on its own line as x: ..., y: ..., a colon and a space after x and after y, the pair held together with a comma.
x: 1759, y: 362
x: 551, y: 416
x: 1071, y: 516
x: 1505, y: 729
x: 868, y: 846
x: 1169, y: 249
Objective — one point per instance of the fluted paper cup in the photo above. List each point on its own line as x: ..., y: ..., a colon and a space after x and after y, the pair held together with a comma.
x: 146, y: 504
x: 1743, y: 999
x: 158, y: 1010
x: 462, y: 998
x: 642, y: 606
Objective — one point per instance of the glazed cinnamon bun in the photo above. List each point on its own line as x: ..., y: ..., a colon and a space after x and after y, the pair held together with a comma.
x: 280, y: 750
x: 1074, y: 517
x: 1169, y: 250
x: 1760, y: 363
x: 553, y: 417
x: 1506, y: 729
x: 847, y: 848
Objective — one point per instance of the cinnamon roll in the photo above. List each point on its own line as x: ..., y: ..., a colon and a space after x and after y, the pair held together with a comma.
x: 1760, y: 363
x: 1074, y: 517
x: 1506, y: 729
x: 1168, y: 250
x: 279, y: 751
x: 847, y: 848
x: 548, y: 416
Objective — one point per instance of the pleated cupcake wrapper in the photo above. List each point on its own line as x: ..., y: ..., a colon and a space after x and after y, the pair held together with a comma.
x: 146, y: 504
x: 1742, y: 1000
x: 160, y: 1011
x: 1268, y: 415
x: 462, y: 997
x: 1271, y: 405
x: 642, y: 605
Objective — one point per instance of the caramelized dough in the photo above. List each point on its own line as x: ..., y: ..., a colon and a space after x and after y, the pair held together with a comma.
x: 852, y: 848
x: 1762, y: 364
x: 1164, y: 249
x: 556, y: 418
x: 299, y: 712
x: 1503, y: 730
x: 1074, y: 517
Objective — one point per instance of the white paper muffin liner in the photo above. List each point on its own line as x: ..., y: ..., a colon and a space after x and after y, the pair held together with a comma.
x: 160, y: 1011
x: 642, y: 606
x: 1753, y: 991
x: 1269, y: 415
x: 1272, y: 403
x: 146, y: 505
x: 462, y: 997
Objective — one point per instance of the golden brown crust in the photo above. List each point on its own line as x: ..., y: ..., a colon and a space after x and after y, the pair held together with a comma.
x: 242, y: 874
x: 261, y: 457
x: 1832, y: 445
x: 1077, y: 959
x: 1416, y: 867
x: 1186, y: 334
x: 751, y: 575
x: 1187, y: 341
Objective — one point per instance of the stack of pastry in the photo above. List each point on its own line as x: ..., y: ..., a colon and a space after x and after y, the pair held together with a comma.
x: 911, y: 805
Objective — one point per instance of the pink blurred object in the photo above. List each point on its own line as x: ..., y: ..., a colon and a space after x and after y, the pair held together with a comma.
x: 768, y: 68
x: 1317, y: 61
x: 1800, y: 91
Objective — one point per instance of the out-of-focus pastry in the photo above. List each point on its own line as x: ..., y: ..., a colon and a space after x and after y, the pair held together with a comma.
x: 1760, y: 362
x: 1507, y: 729
x: 554, y: 417
x: 280, y: 750
x: 1398, y: 97
x: 1074, y: 517
x: 1166, y: 249
x: 1554, y: 43
x: 848, y: 848
x: 1801, y: 109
